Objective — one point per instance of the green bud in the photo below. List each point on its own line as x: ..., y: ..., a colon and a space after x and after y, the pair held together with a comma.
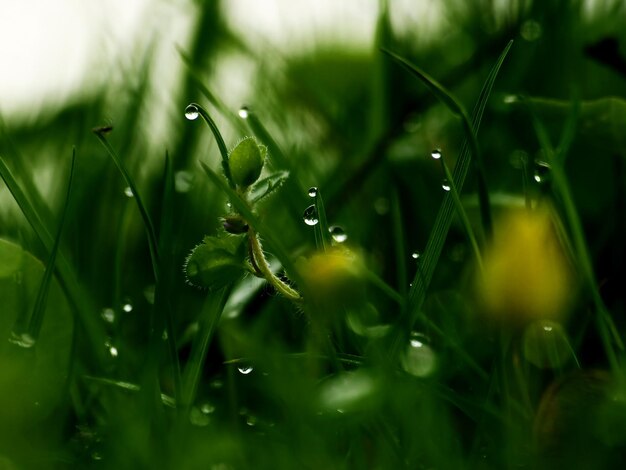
x: 214, y: 264
x: 246, y: 162
x: 235, y: 224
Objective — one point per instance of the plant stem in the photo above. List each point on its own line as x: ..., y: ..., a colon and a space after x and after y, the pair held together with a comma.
x: 258, y: 259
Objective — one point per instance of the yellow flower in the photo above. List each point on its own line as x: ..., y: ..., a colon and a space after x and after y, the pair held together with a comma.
x: 333, y: 278
x: 526, y: 275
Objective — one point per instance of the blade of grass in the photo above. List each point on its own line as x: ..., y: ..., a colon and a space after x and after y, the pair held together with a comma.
x: 152, y: 238
x: 220, y: 142
x: 322, y: 229
x: 422, y: 278
x: 162, y: 319
x: 399, y: 243
x: 209, y: 319
x: 604, y: 321
x: 462, y: 214
x: 39, y: 308
x: 458, y: 109
x: 165, y: 241
x: 80, y: 303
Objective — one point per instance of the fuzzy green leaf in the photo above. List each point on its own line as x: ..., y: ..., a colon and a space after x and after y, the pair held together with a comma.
x: 215, y: 263
x: 267, y: 186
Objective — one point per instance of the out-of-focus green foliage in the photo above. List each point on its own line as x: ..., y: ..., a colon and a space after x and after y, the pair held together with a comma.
x: 135, y: 368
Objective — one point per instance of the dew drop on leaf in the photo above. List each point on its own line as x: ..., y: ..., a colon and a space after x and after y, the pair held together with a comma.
x: 436, y: 154
x: 244, y: 112
x: 338, y: 234
x: 310, y: 215
x: 245, y: 370
x: 446, y: 185
x: 419, y: 358
x: 312, y: 192
x: 108, y: 315
x: 191, y: 112
x: 542, y: 172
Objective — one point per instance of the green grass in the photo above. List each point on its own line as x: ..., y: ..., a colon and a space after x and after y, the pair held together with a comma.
x: 308, y: 352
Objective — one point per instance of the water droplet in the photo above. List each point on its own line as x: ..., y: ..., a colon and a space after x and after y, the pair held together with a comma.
x: 96, y: 456
x: 245, y: 370
x: 128, y: 192
x: 545, y: 344
x: 446, y: 185
x: 338, y: 234
x: 419, y: 358
x: 436, y: 154
x: 198, y: 418
x: 216, y: 384
x: 164, y: 336
x: 244, y: 112
x: 207, y: 408
x: 108, y: 315
x: 148, y: 293
x: 312, y: 192
x: 23, y: 340
x: 251, y: 420
x: 310, y: 215
x: 415, y: 255
x: 542, y: 171
x: 412, y: 123
x: 510, y: 99
x: 183, y: 181
x: 381, y: 205
x: 127, y: 307
x: 113, y: 351
x: 349, y: 391
x: 530, y: 30
x: 191, y: 112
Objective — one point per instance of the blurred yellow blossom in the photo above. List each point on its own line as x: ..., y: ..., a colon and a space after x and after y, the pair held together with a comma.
x: 526, y: 274
x: 334, y: 277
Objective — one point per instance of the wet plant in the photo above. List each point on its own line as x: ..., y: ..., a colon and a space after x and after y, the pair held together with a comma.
x: 403, y: 256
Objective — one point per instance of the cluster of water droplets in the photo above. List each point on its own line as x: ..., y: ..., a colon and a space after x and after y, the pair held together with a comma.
x: 436, y: 154
x: 311, y: 218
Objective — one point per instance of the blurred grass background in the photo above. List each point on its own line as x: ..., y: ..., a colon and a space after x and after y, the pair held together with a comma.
x: 100, y: 388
